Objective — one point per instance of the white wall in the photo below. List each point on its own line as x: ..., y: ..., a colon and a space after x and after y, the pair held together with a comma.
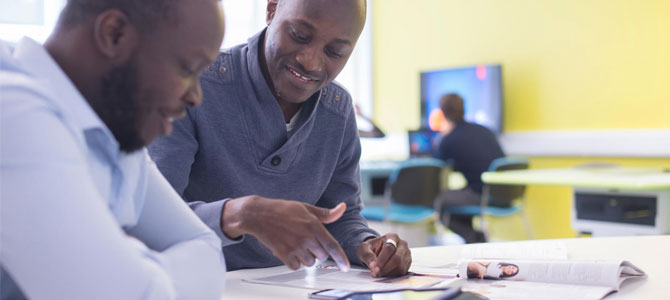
x: 243, y: 19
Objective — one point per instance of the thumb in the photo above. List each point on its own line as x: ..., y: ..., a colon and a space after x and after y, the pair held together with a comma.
x: 327, y: 216
x: 366, y: 254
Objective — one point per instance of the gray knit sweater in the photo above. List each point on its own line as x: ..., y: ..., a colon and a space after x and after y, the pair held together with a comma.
x: 235, y: 144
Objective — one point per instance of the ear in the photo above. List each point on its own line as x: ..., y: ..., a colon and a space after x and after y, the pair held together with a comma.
x: 271, y: 10
x: 115, y: 37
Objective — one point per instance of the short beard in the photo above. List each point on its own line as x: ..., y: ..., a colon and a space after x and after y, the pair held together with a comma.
x: 117, y: 106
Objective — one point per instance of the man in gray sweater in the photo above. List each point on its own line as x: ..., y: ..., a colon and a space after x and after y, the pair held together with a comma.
x: 275, y: 145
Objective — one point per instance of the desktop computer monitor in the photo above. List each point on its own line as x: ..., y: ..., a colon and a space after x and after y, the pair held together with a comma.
x: 422, y: 143
x: 480, y: 87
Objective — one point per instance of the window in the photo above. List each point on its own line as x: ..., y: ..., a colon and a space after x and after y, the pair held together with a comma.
x: 32, y: 18
x: 244, y: 18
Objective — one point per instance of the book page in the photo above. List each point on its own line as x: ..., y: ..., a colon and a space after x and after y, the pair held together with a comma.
x: 525, y: 290
x: 553, y: 250
x: 597, y: 273
x: 627, y: 271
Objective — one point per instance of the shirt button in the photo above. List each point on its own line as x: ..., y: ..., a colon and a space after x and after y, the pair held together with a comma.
x: 276, y: 161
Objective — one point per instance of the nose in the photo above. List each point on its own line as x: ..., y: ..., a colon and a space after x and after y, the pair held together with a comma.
x: 193, y: 96
x: 310, y: 59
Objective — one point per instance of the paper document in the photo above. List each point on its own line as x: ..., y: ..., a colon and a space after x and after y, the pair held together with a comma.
x: 444, y: 271
x: 502, y: 279
x: 554, y: 250
x: 516, y: 290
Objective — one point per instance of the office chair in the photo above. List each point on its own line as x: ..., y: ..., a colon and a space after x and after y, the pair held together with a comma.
x: 498, y: 200
x: 409, y: 193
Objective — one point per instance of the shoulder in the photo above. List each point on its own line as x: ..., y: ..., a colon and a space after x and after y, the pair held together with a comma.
x: 33, y: 130
x: 225, y: 68
x: 34, y: 126
x: 22, y: 92
x: 483, y: 131
x: 468, y: 128
x: 336, y: 98
x: 478, y: 126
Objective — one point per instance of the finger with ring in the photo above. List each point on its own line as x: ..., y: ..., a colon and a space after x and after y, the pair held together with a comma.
x: 392, y: 242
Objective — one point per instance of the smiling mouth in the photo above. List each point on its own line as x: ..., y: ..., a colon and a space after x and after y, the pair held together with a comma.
x: 169, y: 118
x: 300, y: 77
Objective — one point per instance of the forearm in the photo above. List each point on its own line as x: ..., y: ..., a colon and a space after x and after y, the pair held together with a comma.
x: 69, y: 246
x: 196, y: 268
x: 189, y: 251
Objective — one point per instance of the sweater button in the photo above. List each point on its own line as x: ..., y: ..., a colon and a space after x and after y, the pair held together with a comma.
x: 276, y: 161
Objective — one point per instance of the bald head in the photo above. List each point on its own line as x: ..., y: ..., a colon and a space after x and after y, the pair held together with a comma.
x: 144, y: 14
x: 354, y: 10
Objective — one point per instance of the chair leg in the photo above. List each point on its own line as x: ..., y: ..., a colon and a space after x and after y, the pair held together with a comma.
x: 526, y: 224
x: 484, y: 204
x: 437, y: 228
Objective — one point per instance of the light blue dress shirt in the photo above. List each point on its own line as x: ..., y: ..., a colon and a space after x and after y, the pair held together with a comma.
x: 78, y: 218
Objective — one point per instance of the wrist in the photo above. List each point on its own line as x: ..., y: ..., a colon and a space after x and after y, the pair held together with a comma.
x: 232, y: 218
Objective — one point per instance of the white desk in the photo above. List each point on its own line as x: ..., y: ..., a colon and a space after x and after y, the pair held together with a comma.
x: 650, y: 253
x: 599, y: 177
x: 606, y: 200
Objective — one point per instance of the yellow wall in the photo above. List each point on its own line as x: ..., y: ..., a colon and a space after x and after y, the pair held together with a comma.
x: 567, y: 64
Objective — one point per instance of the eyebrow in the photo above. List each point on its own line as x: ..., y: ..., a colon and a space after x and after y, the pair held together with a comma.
x: 310, y: 27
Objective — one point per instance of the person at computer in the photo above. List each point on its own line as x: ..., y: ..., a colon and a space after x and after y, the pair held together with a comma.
x: 275, y: 126
x: 84, y: 212
x: 469, y: 148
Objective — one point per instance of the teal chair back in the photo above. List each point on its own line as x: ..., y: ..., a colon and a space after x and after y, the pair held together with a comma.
x: 410, y: 191
x: 502, y: 195
x: 497, y: 199
x: 416, y: 182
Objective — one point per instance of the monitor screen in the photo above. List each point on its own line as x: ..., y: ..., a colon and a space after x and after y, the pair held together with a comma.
x: 422, y: 142
x: 480, y: 87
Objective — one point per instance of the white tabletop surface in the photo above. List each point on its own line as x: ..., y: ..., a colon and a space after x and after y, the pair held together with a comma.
x: 602, y: 177
x: 650, y: 253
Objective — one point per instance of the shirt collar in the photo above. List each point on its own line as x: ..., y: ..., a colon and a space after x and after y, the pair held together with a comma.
x: 258, y: 81
x: 38, y: 62
x: 35, y: 59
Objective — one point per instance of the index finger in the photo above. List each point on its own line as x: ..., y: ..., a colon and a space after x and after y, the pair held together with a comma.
x: 367, y: 255
x: 333, y: 248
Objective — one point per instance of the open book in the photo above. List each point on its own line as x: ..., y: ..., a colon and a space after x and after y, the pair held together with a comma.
x: 501, y: 271
x: 553, y: 279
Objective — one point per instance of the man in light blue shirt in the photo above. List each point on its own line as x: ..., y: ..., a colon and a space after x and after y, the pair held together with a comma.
x: 84, y: 213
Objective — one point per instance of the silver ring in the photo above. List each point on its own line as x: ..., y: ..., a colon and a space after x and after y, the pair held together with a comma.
x: 392, y: 242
